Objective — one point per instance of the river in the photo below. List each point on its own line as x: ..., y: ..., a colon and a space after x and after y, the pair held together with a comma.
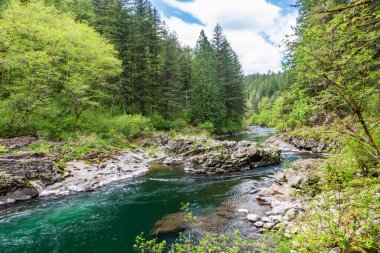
x: 109, y: 219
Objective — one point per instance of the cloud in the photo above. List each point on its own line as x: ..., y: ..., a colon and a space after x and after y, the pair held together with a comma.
x: 255, y: 28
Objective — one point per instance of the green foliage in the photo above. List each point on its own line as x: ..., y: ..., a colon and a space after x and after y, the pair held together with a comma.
x: 344, y: 215
x: 269, y: 101
x: 208, y: 126
x: 3, y: 149
x: 335, y: 65
x: 49, y: 60
x: 129, y: 125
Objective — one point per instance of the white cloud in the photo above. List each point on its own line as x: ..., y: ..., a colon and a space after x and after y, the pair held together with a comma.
x: 255, y: 28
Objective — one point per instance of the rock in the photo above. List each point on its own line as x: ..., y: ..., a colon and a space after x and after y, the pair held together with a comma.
x: 17, y: 142
x: 279, y: 178
x: 291, y: 229
x: 252, y: 236
x: 172, y: 161
x: 276, y: 218
x: 280, y: 227
x: 243, y: 211
x: 266, y: 219
x: 306, y: 165
x: 20, y: 173
x: 258, y: 224
x: 217, y: 157
x: 262, y: 201
x: 334, y: 250
x: 291, y: 214
x: 171, y: 223
x: 253, y: 217
x: 253, y: 191
x: 296, y: 179
x: 269, y: 225
x: 315, y: 145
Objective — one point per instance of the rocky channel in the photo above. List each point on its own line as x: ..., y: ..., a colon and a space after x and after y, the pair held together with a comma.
x: 212, y: 157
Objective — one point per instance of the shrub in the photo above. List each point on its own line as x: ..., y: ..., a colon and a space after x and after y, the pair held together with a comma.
x: 159, y: 122
x: 129, y: 125
x: 3, y: 149
x: 208, y: 126
x: 178, y: 124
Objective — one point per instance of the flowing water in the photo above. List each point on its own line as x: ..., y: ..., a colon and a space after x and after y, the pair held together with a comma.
x: 109, y: 219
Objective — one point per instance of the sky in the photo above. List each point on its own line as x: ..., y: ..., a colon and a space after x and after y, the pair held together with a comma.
x: 254, y: 28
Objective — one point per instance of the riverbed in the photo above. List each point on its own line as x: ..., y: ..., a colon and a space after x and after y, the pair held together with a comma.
x: 110, y: 218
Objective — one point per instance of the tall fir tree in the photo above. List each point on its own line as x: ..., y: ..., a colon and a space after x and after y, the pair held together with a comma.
x: 206, y: 105
x: 230, y: 79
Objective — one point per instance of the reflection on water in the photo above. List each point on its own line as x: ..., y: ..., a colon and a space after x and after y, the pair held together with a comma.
x: 108, y: 219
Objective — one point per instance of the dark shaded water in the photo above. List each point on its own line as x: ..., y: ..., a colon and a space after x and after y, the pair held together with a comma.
x: 109, y: 219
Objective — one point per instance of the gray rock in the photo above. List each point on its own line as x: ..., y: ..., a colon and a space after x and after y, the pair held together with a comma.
x: 291, y: 214
x: 221, y: 157
x: 279, y: 178
x: 269, y: 225
x: 334, y: 250
x: 259, y: 224
x: 243, y: 211
x: 265, y: 219
x: 280, y: 227
x: 253, y: 217
x: 173, y: 161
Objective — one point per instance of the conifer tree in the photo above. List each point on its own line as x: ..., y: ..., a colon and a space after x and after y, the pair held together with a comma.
x: 230, y: 79
x: 206, y: 105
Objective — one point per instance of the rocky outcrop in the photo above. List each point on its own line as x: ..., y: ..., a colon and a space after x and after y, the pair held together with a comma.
x: 81, y: 176
x: 211, y: 157
x: 23, y: 176
x: 314, y: 145
x: 17, y: 143
x: 314, y: 141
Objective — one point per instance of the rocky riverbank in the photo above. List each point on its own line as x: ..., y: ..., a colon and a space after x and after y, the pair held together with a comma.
x: 281, y: 198
x: 25, y: 174
x: 315, y: 140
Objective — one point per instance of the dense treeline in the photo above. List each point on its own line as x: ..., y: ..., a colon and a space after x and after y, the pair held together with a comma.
x: 268, y: 99
x: 89, y: 66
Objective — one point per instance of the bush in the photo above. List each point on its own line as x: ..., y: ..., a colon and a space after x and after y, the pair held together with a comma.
x: 129, y: 125
x: 178, y: 124
x: 159, y: 123
x: 208, y: 126
x: 3, y: 149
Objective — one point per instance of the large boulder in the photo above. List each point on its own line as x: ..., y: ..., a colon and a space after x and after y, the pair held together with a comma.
x: 171, y: 223
x: 227, y: 157
x: 23, y: 176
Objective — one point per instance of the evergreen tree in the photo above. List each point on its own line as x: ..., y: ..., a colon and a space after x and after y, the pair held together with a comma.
x: 206, y: 105
x: 230, y: 79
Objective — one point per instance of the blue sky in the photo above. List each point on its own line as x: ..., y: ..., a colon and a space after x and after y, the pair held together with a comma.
x: 255, y: 28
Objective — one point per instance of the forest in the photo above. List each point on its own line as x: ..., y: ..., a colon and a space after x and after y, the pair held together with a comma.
x: 110, y: 74
x: 110, y: 67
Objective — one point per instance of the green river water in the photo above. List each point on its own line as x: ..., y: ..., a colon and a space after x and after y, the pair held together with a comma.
x: 109, y: 219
